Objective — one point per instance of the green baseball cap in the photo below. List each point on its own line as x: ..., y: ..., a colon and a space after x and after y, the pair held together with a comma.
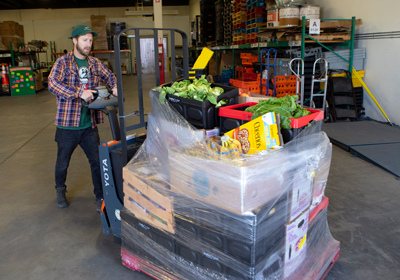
x: 80, y: 30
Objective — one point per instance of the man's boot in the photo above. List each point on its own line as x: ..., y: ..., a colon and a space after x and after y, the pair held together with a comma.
x: 61, y: 199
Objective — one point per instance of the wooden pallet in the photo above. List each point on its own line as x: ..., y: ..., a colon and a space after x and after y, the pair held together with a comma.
x: 327, y: 37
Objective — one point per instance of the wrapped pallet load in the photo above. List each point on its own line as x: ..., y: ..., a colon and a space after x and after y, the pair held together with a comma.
x: 196, y: 208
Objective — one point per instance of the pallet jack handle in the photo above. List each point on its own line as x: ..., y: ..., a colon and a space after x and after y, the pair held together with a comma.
x: 268, y: 65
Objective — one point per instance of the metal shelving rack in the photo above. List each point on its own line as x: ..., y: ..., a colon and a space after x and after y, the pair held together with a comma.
x: 285, y: 44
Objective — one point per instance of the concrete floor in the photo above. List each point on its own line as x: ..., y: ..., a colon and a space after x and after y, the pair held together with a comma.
x: 40, y: 241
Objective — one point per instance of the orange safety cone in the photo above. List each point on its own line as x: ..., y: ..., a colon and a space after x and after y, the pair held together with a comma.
x: 5, y: 82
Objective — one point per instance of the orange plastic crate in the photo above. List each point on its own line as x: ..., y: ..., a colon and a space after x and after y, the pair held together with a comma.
x: 285, y: 92
x: 245, y: 55
x: 247, y: 61
x: 291, y: 79
x: 242, y: 84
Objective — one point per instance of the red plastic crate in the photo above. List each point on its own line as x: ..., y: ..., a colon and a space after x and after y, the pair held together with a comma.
x: 232, y: 112
x: 256, y: 10
x: 321, y: 206
x: 250, y: 76
x: 239, y: 72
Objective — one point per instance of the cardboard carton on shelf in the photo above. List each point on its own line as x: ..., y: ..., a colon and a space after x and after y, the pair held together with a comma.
x: 38, y: 81
x: 11, y: 31
x: 99, y: 25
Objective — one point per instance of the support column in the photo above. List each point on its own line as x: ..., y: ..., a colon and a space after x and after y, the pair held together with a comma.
x: 158, y: 23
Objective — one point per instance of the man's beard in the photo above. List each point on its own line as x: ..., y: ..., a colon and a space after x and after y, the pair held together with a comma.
x: 82, y: 51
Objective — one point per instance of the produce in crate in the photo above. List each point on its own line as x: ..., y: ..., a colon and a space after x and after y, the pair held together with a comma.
x: 199, y: 90
x: 285, y: 106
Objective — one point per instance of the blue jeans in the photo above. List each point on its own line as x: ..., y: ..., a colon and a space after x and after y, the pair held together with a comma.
x: 67, y: 140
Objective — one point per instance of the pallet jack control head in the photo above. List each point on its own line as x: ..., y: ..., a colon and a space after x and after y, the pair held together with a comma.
x: 102, y: 98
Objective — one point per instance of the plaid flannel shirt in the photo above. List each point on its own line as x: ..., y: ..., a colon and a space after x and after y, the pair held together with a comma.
x: 64, y: 83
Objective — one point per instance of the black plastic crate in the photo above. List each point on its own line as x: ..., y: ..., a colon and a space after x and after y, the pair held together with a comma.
x: 268, y: 246
x: 116, y: 28
x: 265, y: 230
x: 158, y: 236
x: 202, y: 115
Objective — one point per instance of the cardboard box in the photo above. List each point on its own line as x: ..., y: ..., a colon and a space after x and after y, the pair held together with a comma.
x: 99, y: 25
x: 335, y: 24
x: 255, y: 97
x: 227, y: 60
x: 11, y: 31
x: 259, y: 134
x: 11, y: 28
x: 296, y: 243
x: 238, y: 189
x: 148, y: 199
x: 38, y: 81
x: 212, y: 65
x: 301, y: 194
x: 269, y: 2
x: 211, y: 132
x: 17, y: 41
x: 100, y: 44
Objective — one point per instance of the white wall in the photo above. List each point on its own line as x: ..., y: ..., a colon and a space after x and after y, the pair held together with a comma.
x: 381, y: 72
x: 194, y: 9
x: 56, y: 25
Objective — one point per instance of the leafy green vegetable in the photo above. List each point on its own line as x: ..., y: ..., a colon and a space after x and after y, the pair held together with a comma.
x: 222, y: 102
x: 198, y: 90
x: 285, y: 106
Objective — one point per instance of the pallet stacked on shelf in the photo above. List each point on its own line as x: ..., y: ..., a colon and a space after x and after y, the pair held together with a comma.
x: 239, y: 22
x: 207, y: 21
x: 227, y: 18
x: 256, y: 19
x: 219, y: 22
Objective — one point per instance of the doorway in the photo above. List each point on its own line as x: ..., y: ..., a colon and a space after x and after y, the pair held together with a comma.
x: 147, y: 55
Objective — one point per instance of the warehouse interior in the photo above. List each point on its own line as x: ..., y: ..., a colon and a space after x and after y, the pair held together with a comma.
x: 41, y: 241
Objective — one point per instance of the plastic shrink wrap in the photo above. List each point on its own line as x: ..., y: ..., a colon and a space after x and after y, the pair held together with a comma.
x: 193, y: 213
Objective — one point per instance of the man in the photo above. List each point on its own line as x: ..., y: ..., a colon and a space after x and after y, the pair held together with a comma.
x: 73, y: 78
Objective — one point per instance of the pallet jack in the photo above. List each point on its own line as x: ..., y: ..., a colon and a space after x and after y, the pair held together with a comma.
x: 115, y: 154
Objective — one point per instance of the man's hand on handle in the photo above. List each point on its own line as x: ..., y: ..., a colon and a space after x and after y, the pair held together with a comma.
x: 87, y: 95
x: 114, y: 91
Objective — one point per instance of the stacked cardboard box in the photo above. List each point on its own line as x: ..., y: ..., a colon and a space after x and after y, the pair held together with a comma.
x: 99, y: 25
x: 11, y: 31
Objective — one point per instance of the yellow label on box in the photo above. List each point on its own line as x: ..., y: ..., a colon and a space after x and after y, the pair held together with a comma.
x: 257, y: 135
